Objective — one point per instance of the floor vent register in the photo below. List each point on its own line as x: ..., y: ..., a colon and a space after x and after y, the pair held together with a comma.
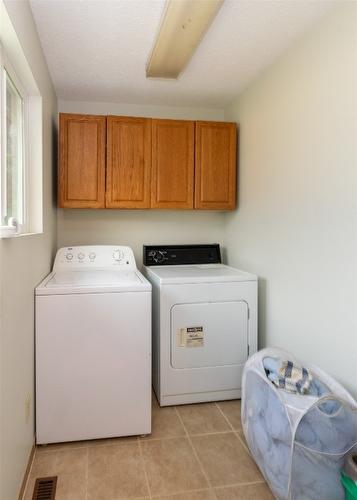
x: 45, y: 488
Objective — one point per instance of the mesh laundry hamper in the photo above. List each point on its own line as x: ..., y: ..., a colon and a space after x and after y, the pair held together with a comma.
x: 298, y: 441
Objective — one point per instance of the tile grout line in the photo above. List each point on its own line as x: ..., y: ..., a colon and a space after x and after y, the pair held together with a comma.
x: 225, y: 418
x: 233, y: 429
x: 63, y: 447
x: 144, y: 466
x: 244, y: 444
x: 117, y: 443
x: 167, y: 438
x: 236, y: 432
x: 232, y: 485
x: 195, y: 453
x: 180, y: 492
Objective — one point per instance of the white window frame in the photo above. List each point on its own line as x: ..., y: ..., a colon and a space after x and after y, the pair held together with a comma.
x: 17, y: 65
x: 14, y: 228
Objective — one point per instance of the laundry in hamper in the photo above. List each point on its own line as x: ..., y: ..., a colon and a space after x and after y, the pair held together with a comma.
x: 298, y: 440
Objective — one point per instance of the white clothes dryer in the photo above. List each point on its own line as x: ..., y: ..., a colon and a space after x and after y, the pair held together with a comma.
x: 204, y: 323
x: 93, y: 346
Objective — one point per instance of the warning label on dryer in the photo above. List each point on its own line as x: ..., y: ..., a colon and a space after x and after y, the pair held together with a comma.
x: 191, y: 336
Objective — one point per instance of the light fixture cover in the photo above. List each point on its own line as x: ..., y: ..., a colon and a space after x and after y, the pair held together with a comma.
x: 183, y: 25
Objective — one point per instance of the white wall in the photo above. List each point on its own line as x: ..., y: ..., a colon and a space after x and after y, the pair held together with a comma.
x: 138, y: 227
x: 296, y: 225
x: 146, y: 110
x: 24, y: 261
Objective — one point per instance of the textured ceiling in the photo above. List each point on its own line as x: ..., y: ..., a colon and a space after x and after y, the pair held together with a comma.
x: 97, y: 50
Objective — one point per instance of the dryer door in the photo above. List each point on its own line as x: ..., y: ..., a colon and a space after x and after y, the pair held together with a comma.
x: 209, y: 334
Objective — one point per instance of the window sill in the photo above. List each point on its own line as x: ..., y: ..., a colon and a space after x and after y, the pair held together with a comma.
x: 20, y: 235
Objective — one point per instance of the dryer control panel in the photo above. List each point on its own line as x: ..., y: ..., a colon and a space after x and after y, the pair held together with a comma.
x: 95, y: 257
x: 173, y: 255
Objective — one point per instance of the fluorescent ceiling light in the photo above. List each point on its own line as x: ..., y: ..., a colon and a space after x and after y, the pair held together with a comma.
x: 183, y: 25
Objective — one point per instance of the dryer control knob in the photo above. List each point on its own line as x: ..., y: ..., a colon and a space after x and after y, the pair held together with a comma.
x: 158, y: 257
x: 80, y: 256
x: 69, y: 256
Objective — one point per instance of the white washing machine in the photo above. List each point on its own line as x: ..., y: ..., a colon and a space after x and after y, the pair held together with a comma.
x: 204, y: 323
x: 93, y: 346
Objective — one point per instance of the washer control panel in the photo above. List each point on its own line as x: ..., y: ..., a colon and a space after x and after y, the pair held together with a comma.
x: 95, y: 257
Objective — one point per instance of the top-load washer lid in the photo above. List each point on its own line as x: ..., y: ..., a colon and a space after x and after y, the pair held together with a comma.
x: 201, y: 273
x: 103, y: 281
x: 93, y: 269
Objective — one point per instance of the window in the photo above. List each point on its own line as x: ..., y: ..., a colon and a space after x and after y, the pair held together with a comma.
x: 13, y: 153
x: 13, y: 167
x: 21, y: 139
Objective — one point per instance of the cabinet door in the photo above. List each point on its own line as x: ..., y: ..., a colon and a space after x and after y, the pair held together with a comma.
x: 128, y: 162
x: 172, y: 164
x: 82, y: 161
x: 216, y: 165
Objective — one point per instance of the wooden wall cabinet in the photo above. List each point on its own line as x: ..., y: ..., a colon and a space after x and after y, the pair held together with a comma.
x: 128, y: 162
x: 82, y: 143
x: 215, y: 165
x: 133, y: 163
x: 172, y: 163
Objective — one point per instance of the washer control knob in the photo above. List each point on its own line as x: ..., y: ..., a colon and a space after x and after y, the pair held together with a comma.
x: 69, y: 256
x: 80, y: 256
x: 92, y: 255
x: 118, y: 255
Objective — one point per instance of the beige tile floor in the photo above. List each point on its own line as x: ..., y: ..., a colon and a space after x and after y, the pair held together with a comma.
x: 195, y: 452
